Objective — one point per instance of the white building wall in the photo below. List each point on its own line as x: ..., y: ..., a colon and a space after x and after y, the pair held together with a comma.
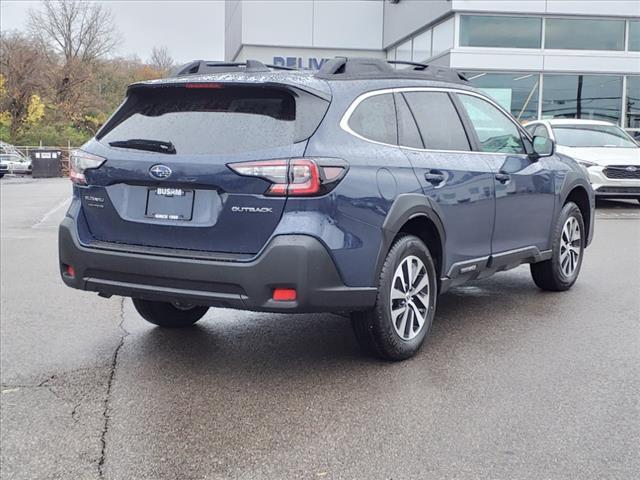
x: 287, y: 23
x: 323, y: 24
x: 232, y: 28
x: 351, y: 24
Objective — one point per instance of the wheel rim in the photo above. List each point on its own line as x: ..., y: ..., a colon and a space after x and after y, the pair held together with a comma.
x: 410, y: 294
x: 570, y: 245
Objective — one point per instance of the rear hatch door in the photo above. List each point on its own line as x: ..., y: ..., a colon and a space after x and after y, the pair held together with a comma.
x: 165, y: 182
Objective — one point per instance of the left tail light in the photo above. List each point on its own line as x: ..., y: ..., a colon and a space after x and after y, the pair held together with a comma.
x: 297, y: 177
x: 79, y: 162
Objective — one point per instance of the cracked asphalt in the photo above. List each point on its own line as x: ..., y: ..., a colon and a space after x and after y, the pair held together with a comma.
x: 513, y: 383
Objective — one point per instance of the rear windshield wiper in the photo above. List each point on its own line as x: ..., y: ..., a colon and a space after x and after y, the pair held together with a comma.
x: 143, y: 144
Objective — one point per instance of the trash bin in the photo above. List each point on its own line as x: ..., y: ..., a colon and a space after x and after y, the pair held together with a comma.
x: 46, y: 163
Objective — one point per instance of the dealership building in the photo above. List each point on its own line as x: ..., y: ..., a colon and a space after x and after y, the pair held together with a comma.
x: 537, y: 58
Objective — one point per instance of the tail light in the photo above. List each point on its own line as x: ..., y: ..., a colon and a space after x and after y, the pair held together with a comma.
x: 79, y: 162
x: 298, y: 177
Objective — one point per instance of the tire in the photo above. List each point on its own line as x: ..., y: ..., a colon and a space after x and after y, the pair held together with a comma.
x: 169, y: 315
x: 561, y: 271
x: 375, y: 330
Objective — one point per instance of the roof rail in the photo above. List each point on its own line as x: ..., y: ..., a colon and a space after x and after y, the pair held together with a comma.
x: 198, y: 67
x: 343, y: 68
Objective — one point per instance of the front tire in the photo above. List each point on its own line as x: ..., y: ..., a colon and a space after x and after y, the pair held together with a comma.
x: 561, y: 271
x: 405, y: 306
x: 168, y: 314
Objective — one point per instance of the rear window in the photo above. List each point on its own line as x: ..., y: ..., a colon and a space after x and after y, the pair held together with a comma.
x: 215, y: 120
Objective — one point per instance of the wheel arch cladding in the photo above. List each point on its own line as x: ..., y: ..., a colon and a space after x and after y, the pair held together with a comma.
x: 578, y: 195
x: 412, y: 214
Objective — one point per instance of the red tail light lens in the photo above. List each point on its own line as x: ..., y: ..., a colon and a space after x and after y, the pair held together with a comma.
x: 304, y: 178
x: 284, y: 294
x: 297, y: 177
x: 79, y: 162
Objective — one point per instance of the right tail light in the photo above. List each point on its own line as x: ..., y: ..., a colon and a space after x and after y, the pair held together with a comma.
x: 296, y: 177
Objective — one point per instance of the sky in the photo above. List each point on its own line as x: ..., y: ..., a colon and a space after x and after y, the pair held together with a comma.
x: 191, y: 30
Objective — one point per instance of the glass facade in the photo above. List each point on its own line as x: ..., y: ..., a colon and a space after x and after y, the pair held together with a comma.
x: 515, y: 92
x: 634, y: 35
x: 582, y: 34
x: 422, y: 46
x: 598, y: 97
x: 633, y: 102
x: 500, y: 31
x: 593, y: 97
x: 403, y: 52
x: 528, y: 95
x: 442, y: 39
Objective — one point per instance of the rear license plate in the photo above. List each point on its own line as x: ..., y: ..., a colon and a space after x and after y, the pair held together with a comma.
x: 169, y: 204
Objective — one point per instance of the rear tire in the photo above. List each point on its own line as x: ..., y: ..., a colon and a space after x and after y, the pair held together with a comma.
x: 405, y: 306
x: 169, y: 315
x: 561, y: 271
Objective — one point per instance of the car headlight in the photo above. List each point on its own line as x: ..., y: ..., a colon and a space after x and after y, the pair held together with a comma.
x: 79, y: 162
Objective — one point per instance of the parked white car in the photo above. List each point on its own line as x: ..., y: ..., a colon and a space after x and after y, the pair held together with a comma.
x: 12, y: 160
x: 609, y: 154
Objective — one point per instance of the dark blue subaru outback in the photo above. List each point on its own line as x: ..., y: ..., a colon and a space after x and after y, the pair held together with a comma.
x: 360, y: 188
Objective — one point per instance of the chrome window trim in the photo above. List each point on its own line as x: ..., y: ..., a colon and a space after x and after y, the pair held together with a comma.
x: 344, y: 122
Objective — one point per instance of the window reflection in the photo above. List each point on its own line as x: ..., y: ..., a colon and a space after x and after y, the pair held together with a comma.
x: 633, y: 102
x: 500, y: 31
x: 581, y: 34
x: 515, y: 92
x: 493, y: 128
x: 634, y: 36
x: 582, y: 96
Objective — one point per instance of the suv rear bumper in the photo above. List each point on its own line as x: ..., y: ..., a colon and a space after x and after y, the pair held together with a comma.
x: 288, y: 261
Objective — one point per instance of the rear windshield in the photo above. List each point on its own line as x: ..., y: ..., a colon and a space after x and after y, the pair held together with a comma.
x: 592, y: 136
x: 210, y: 120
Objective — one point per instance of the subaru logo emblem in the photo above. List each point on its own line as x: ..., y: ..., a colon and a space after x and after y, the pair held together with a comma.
x: 160, y: 172
x: 631, y: 168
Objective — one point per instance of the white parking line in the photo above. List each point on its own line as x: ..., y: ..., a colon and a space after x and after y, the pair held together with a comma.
x: 65, y: 203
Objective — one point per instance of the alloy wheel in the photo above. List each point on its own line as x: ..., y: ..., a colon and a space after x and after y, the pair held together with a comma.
x: 570, y: 245
x: 410, y: 292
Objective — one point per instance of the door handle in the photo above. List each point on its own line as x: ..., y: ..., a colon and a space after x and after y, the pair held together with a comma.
x: 503, y: 177
x: 434, y: 177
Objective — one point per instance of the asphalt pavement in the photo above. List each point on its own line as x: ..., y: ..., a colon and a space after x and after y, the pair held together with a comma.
x: 513, y: 383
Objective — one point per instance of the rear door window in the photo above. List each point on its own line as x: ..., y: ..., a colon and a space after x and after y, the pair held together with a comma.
x: 438, y: 121
x: 408, y: 134
x: 375, y: 119
x: 222, y: 120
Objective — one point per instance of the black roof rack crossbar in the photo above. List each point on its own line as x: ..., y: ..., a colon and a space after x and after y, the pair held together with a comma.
x: 205, y: 66
x: 354, y: 68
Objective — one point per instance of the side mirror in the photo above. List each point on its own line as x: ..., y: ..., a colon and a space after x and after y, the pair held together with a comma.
x: 543, y: 147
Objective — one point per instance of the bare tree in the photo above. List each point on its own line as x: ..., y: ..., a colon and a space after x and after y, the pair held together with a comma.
x: 160, y: 59
x: 78, y: 30
x: 22, y: 64
x: 79, y: 33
